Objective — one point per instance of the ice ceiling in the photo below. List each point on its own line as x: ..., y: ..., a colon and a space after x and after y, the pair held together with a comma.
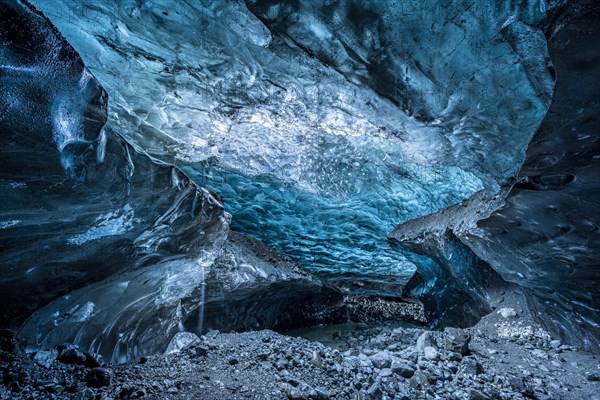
x: 323, y: 128
x: 322, y: 125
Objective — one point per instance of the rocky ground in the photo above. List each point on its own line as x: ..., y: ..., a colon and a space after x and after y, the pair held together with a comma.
x: 505, y: 356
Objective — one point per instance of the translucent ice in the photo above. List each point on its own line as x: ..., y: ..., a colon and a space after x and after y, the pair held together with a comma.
x: 322, y: 126
x: 78, y: 203
x: 114, y: 250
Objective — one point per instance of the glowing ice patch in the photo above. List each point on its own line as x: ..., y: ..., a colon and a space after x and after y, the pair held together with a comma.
x: 66, y: 125
x: 509, y: 21
x: 83, y: 313
x: 9, y: 224
x: 109, y: 224
x: 12, y: 68
x: 320, y: 31
x: 263, y: 120
x: 18, y: 185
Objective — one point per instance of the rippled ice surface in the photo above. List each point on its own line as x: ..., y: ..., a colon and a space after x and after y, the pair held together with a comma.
x: 319, y: 133
x: 345, y: 229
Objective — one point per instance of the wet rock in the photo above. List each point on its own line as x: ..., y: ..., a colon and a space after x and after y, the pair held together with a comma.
x: 381, y: 359
x: 431, y: 353
x: 402, y: 369
x: 181, y: 340
x: 418, y: 380
x: 374, y: 389
x: 302, y: 390
x: 477, y: 395
x: 425, y: 340
x: 316, y: 359
x: 593, y: 376
x: 45, y: 358
x: 507, y: 312
x: 233, y: 360
x: 98, y: 377
x: 322, y: 393
x: 344, y: 377
x: 456, y: 340
x: 72, y: 356
x: 93, y: 360
x: 199, y: 351
x: 452, y: 367
x: 540, y: 354
x: 471, y: 366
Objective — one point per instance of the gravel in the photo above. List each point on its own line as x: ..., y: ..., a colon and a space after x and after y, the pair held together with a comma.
x: 497, y: 359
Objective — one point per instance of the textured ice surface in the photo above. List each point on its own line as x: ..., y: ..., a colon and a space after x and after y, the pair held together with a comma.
x: 454, y: 284
x: 322, y: 125
x: 78, y: 203
x: 116, y: 251
x: 245, y: 286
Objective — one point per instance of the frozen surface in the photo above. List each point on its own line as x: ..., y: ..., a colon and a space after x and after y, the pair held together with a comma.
x: 135, y: 313
x: 547, y: 238
x: 452, y: 282
x: 115, y: 250
x: 78, y: 203
x: 322, y: 126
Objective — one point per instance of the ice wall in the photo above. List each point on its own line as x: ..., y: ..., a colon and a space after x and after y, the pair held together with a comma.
x: 245, y: 286
x: 476, y: 73
x: 320, y: 126
x: 78, y: 203
x: 116, y: 251
x: 454, y: 284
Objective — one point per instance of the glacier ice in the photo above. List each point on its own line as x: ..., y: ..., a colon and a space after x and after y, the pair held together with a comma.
x: 452, y: 282
x: 116, y: 251
x: 243, y: 287
x: 322, y: 126
x: 544, y: 235
x: 547, y: 237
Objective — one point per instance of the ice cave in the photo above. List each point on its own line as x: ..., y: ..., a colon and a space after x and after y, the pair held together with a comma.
x: 300, y: 199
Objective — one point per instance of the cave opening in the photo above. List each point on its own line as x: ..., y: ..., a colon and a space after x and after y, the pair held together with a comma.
x: 174, y: 168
